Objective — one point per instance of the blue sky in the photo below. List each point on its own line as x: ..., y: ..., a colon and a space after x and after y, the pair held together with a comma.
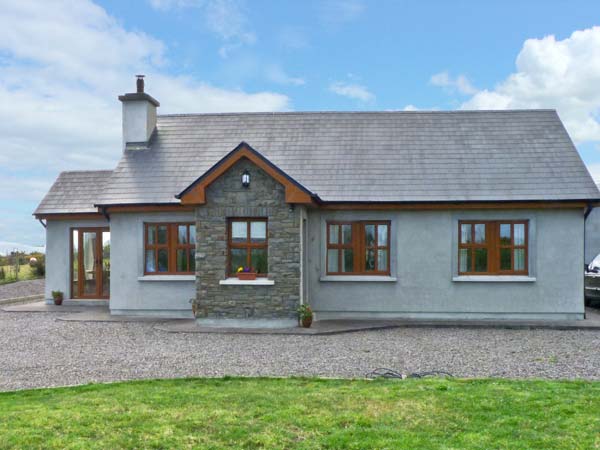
x: 61, y: 69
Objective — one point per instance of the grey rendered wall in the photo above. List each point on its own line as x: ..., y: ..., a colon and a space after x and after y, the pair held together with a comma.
x: 58, y: 247
x: 592, y: 235
x: 424, y: 264
x: 131, y: 292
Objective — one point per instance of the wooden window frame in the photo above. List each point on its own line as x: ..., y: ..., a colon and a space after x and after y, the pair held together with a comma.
x: 80, y: 294
x: 171, y: 246
x: 493, y: 246
x: 359, y: 247
x: 248, y: 245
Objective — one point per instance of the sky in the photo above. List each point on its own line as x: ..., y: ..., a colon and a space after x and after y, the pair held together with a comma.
x: 64, y: 62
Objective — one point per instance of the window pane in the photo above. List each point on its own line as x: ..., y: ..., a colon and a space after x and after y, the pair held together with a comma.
x: 238, y: 258
x: 519, y: 234
x: 334, y: 234
x: 347, y: 234
x: 347, y: 260
x: 150, y: 261
x: 151, y: 234
x: 105, y: 263
x: 481, y: 259
x: 370, y: 235
x: 332, y: 260
x: 192, y: 260
x: 465, y: 233
x: 259, y: 260
x: 505, y: 234
x: 182, y: 237
x: 505, y: 263
x: 465, y: 260
x: 192, y: 234
x: 479, y: 233
x: 370, y: 259
x: 239, y: 231
x: 162, y: 234
x: 75, y: 276
x: 182, y: 261
x: 258, y: 231
x: 163, y: 260
x: 382, y: 259
x: 382, y: 235
x: 519, y: 259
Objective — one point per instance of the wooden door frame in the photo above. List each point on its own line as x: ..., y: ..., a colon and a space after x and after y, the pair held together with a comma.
x: 98, y: 263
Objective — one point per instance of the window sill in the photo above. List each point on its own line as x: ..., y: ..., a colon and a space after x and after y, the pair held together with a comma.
x: 238, y: 282
x: 167, y: 278
x: 361, y: 278
x: 494, y: 278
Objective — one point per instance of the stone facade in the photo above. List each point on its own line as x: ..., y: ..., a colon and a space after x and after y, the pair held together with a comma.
x: 226, y: 198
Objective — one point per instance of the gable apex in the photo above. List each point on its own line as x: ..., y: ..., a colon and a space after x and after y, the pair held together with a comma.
x: 194, y: 194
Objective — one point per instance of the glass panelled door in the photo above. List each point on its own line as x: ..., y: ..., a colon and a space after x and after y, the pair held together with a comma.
x: 90, y: 263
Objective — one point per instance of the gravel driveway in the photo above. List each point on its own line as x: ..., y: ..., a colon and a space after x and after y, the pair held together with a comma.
x: 36, y: 350
x: 22, y: 289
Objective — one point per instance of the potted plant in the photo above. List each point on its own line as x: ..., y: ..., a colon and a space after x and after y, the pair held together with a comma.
x: 246, y: 273
x: 305, y: 314
x: 58, y: 297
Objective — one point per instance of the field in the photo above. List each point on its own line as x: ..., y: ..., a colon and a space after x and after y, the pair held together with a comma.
x: 26, y: 273
x: 306, y: 414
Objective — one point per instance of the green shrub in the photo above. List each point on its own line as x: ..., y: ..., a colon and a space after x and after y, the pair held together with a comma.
x: 40, y: 269
x: 2, y: 274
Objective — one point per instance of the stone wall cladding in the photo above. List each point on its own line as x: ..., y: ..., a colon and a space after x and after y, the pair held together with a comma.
x: 226, y: 198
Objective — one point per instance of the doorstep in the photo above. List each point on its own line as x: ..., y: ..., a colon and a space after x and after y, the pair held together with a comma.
x: 328, y: 327
x: 319, y: 327
x: 42, y: 307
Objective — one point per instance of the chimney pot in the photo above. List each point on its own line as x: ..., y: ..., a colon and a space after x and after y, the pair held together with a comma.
x: 140, y: 83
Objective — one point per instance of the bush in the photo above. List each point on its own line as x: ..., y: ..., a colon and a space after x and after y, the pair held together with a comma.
x: 40, y: 268
x: 2, y: 274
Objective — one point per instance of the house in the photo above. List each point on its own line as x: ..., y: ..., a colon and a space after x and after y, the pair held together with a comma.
x: 445, y: 215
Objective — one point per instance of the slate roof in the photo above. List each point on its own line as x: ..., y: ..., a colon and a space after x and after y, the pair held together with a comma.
x: 74, y: 191
x: 412, y: 156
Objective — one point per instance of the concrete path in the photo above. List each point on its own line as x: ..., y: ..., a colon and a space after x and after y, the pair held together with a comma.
x: 101, y: 313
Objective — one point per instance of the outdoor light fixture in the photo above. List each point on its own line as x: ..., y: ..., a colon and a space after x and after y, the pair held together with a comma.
x: 246, y: 179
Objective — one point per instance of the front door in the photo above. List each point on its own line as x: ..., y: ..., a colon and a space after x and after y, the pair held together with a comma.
x: 90, y: 262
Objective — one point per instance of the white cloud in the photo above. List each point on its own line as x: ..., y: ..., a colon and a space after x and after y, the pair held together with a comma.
x: 166, y: 5
x: 277, y: 75
x: 561, y: 74
x: 594, y: 170
x: 339, y: 12
x: 62, y: 68
x: 8, y: 247
x: 352, y: 90
x: 410, y: 108
x: 460, y: 83
x: 225, y: 18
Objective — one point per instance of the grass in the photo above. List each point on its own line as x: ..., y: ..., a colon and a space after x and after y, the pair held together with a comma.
x: 26, y: 273
x: 306, y: 414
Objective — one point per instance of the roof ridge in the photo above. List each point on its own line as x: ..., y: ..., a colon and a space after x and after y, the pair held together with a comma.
x: 87, y: 171
x: 273, y: 113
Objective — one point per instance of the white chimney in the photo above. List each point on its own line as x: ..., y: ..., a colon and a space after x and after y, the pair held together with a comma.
x: 139, y: 117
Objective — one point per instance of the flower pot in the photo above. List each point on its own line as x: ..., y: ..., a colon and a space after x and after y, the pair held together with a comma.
x: 246, y: 275
x: 58, y: 300
x: 306, y: 322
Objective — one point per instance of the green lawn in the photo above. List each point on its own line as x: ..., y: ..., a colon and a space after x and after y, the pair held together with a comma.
x: 306, y: 413
x: 25, y: 273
